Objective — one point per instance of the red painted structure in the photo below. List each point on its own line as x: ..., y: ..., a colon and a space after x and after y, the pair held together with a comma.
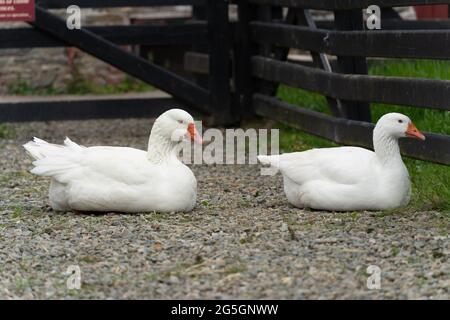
x: 17, y: 10
x: 432, y: 12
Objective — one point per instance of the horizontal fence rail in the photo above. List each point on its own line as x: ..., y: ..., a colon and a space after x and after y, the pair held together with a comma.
x: 387, y: 44
x: 396, y: 24
x: 188, y: 33
x: 62, y: 4
x: 424, y: 93
x: 436, y: 148
x: 345, y: 4
x: 38, y: 108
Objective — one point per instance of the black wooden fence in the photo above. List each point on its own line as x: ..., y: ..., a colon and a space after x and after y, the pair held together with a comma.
x: 265, y: 35
x: 103, y: 42
x: 245, y: 60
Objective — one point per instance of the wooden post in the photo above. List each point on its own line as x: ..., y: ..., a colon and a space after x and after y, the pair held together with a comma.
x: 219, y: 62
x: 352, y: 20
x: 199, y: 13
x: 243, y: 51
x: 269, y: 14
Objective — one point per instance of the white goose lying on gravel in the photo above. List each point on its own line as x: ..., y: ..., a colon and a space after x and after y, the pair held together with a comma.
x: 350, y: 178
x: 118, y: 178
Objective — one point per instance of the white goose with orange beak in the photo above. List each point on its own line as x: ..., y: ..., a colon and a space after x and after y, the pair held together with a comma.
x: 350, y: 178
x: 121, y: 179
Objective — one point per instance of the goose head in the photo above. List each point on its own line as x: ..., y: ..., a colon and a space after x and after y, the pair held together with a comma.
x: 397, y: 125
x: 175, y: 126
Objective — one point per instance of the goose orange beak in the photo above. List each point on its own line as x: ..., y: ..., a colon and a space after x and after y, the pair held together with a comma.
x: 193, y: 133
x: 413, y: 132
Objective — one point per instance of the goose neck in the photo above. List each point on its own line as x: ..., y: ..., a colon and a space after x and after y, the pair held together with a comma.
x: 386, y: 147
x: 160, y: 149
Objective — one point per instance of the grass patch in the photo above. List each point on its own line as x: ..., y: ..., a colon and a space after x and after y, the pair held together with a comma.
x: 205, y: 203
x: 426, y: 119
x: 5, y: 131
x: 17, y: 212
x: 178, y: 270
x: 430, y: 182
x: 155, y: 216
x: 238, y: 268
x: 22, y: 283
x: 303, y: 98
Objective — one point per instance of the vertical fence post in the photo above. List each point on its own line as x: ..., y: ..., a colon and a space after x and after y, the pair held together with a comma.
x: 352, y: 20
x: 269, y: 14
x: 243, y: 51
x: 199, y: 13
x: 219, y: 62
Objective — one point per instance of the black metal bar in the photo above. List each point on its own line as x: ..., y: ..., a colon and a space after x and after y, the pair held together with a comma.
x: 122, y: 35
x: 142, y: 69
x: 59, y: 4
x: 416, y: 92
x: 85, y: 108
x: 305, y: 19
x: 436, y: 148
x: 345, y: 4
x: 352, y: 20
x: 320, y: 59
x: 219, y: 64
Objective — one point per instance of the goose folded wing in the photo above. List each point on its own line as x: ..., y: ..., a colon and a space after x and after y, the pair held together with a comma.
x: 344, y: 165
x: 123, y: 165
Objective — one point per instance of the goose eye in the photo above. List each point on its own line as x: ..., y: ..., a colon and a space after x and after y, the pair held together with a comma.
x: 400, y: 121
x: 180, y: 121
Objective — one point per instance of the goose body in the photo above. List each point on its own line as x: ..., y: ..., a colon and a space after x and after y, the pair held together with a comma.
x: 120, y: 179
x: 350, y: 178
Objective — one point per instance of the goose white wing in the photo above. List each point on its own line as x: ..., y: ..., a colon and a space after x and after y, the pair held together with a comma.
x: 343, y: 165
x: 71, y: 162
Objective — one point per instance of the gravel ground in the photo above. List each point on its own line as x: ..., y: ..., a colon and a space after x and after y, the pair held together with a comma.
x: 241, y: 241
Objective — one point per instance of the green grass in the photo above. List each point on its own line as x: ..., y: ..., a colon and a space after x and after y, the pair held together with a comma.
x: 5, y: 131
x: 237, y: 268
x: 430, y: 182
x: 425, y: 119
x: 303, y: 98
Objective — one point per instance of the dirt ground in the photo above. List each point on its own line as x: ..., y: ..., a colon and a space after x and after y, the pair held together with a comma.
x: 243, y: 240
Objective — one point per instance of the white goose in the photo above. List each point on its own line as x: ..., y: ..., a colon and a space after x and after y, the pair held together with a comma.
x: 350, y: 178
x: 121, y: 179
